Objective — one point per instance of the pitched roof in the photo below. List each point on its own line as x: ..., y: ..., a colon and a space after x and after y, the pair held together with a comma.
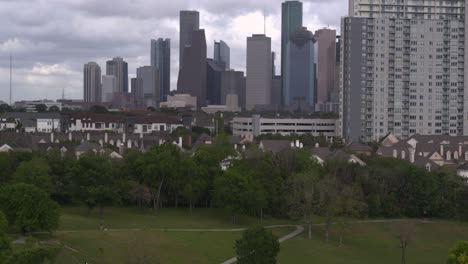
x: 358, y: 147
x: 275, y: 146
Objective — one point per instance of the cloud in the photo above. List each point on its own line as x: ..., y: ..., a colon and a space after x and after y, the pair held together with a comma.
x: 51, y: 39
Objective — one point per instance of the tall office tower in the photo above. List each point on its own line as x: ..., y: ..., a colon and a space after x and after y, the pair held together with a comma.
x: 291, y: 20
x: 92, y: 82
x: 233, y: 82
x: 137, y: 91
x: 109, y: 87
x: 299, y: 78
x: 273, y: 65
x: 192, y: 77
x: 213, y: 82
x: 403, y: 69
x: 119, y: 68
x: 222, y: 55
x: 258, y: 83
x: 161, y: 60
x: 189, y: 22
x: 150, y: 85
x: 326, y: 64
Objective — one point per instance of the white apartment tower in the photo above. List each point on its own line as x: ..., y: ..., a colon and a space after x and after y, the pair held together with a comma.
x: 259, y: 74
x: 403, y: 69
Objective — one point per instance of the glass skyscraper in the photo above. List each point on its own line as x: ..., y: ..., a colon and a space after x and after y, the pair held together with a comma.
x: 161, y: 60
x: 291, y: 20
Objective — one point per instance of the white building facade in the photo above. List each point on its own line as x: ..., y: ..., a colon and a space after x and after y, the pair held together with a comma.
x: 257, y: 125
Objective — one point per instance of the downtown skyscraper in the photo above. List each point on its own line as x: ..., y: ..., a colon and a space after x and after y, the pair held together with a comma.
x: 291, y: 20
x: 259, y: 73
x: 192, y: 76
x: 403, y: 69
x: 161, y: 60
x: 299, y: 78
x: 222, y: 55
x: 118, y: 68
x: 92, y: 83
x: 189, y: 22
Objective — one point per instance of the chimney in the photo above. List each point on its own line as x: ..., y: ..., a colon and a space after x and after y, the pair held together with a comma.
x: 412, y: 153
x: 298, y: 144
x: 317, y: 145
x: 460, y: 151
x: 129, y: 144
x: 441, y: 150
x: 243, y: 147
x: 235, y: 146
x: 88, y: 136
x: 122, y: 149
x: 301, y: 146
x: 180, y: 142
x: 106, y: 138
x: 292, y: 144
x: 124, y: 137
x: 70, y: 136
x: 52, y: 137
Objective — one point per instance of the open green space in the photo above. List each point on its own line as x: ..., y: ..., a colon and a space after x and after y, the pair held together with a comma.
x: 130, y: 239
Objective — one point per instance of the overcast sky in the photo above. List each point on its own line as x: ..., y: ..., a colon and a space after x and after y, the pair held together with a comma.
x: 51, y: 39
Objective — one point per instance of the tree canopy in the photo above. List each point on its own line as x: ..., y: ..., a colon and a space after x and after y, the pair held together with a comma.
x: 257, y: 246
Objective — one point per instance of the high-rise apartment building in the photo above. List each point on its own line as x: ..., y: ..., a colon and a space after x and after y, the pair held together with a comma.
x: 299, y: 74
x: 222, y: 55
x: 119, y: 68
x: 150, y: 85
x: 291, y: 20
x: 189, y: 22
x: 109, y: 87
x: 403, y: 69
x: 161, y: 60
x: 326, y: 64
x: 92, y: 83
x: 258, y: 83
x: 192, y: 77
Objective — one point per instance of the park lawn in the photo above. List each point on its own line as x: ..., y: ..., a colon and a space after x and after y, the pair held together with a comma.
x: 78, y: 218
x: 130, y: 237
x: 150, y: 246
x: 375, y: 243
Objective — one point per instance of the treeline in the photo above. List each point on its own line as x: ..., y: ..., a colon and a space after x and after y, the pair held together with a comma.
x: 289, y: 184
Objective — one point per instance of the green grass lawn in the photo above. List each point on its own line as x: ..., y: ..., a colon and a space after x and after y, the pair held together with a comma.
x: 363, y: 243
x: 376, y: 243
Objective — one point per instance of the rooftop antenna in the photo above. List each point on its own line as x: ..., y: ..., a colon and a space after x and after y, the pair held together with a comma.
x: 264, y: 21
x: 11, y: 71
x: 63, y: 93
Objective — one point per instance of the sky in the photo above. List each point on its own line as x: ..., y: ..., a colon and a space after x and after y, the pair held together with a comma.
x: 51, y: 40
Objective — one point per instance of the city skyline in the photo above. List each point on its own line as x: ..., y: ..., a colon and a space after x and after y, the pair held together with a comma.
x: 44, y: 63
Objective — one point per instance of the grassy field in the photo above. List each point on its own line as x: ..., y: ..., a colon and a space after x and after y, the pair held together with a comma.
x: 130, y: 239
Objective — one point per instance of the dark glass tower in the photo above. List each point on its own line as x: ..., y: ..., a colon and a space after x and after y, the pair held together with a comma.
x: 291, y: 20
x: 192, y: 76
x: 189, y: 22
x: 161, y: 60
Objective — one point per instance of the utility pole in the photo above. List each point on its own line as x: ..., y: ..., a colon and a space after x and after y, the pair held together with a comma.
x: 11, y: 72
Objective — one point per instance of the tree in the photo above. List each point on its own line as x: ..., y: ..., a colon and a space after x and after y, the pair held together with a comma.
x: 54, y: 108
x: 302, y: 195
x: 98, y: 109
x: 459, y: 254
x: 5, y: 108
x: 92, y: 181
x: 328, y: 200
x: 257, y: 246
x: 35, y: 172
x: 157, y: 166
x: 29, y: 208
x: 196, y: 180
x: 41, y: 108
x: 404, y: 231
x: 238, y: 192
